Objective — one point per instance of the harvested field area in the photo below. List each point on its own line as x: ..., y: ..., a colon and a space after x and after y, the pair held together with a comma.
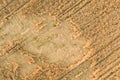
x: 59, y: 39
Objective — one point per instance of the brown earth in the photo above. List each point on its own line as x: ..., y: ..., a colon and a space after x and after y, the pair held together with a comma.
x: 59, y: 39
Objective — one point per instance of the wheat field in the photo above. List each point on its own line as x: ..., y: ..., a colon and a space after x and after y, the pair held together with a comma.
x: 59, y: 39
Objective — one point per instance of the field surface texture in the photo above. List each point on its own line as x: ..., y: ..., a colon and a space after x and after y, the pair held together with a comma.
x: 59, y: 39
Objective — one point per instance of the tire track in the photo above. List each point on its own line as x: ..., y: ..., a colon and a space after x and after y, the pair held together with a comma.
x: 5, y: 15
x: 70, y: 8
x: 96, y: 29
x: 99, y: 15
x: 104, y: 38
x: 113, y: 74
x: 68, y: 16
x: 108, y: 63
x: 105, y: 46
x: 118, y: 36
x: 106, y: 69
x: 117, y: 61
x: 17, y: 9
x: 103, y: 59
x: 106, y: 11
x: 87, y: 27
x: 7, y: 5
x: 111, y: 46
x: 105, y: 76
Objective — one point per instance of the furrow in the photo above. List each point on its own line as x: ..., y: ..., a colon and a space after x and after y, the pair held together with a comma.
x: 110, y: 42
x: 76, y: 10
x: 62, y: 7
x: 106, y: 51
x: 10, y: 9
x: 103, y: 13
x: 105, y: 38
x: 108, y: 62
x: 110, y: 71
x: 107, y: 68
x: 69, y: 14
x: 89, y: 57
x: 113, y: 74
x: 6, y: 5
x: 17, y: 9
x: 70, y: 8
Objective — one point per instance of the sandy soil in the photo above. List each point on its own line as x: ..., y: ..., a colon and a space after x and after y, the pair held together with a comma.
x: 59, y: 40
